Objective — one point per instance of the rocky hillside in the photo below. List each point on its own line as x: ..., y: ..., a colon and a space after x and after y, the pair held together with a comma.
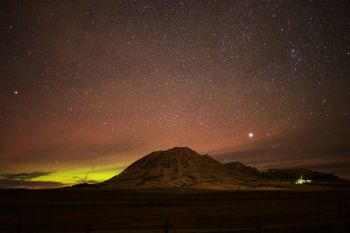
x: 183, y: 167
x: 179, y: 167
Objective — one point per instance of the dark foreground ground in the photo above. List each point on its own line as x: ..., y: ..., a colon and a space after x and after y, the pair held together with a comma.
x: 70, y: 210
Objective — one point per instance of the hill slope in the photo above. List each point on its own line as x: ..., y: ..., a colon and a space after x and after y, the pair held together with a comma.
x: 179, y: 167
x: 243, y: 169
x: 183, y: 167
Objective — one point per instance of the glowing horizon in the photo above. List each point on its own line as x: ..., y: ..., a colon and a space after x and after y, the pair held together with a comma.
x: 92, y: 87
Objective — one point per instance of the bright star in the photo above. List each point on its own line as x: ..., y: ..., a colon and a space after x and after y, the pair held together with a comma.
x: 251, y: 135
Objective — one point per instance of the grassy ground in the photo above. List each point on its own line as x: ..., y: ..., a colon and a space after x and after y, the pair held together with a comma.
x: 71, y: 209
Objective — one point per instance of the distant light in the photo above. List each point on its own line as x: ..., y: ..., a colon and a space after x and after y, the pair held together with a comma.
x: 15, y: 92
x: 251, y: 135
x: 302, y: 181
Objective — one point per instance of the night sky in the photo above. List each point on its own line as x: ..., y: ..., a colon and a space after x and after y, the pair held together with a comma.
x: 88, y: 87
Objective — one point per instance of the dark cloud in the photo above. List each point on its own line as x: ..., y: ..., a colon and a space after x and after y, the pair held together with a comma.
x: 23, y: 180
x: 13, y: 183
x: 24, y: 176
x: 318, y: 150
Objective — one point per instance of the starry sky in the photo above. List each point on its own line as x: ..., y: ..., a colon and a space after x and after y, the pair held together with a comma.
x: 88, y: 87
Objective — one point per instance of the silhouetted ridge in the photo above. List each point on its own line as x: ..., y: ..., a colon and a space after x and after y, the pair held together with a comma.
x: 177, y: 167
x: 183, y: 167
x: 240, y: 167
x: 296, y: 173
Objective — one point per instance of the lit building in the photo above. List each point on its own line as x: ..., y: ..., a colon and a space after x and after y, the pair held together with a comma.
x: 302, y: 181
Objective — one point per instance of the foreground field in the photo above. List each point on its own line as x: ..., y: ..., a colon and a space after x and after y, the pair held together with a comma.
x: 187, y: 211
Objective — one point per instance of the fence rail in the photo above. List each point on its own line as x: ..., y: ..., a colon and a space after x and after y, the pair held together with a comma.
x: 166, y: 227
x: 342, y: 222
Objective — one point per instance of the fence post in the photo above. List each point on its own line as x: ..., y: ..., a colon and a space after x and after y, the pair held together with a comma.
x: 88, y: 228
x: 19, y: 227
x: 340, y: 212
x: 166, y: 226
x: 346, y: 216
x: 258, y: 225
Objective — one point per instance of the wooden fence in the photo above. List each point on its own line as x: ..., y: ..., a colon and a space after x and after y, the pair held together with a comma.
x: 343, y: 226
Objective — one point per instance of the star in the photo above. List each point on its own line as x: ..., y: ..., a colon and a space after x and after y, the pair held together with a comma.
x: 157, y: 74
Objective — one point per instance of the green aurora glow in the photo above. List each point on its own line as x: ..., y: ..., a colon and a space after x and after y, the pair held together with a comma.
x: 80, y: 175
